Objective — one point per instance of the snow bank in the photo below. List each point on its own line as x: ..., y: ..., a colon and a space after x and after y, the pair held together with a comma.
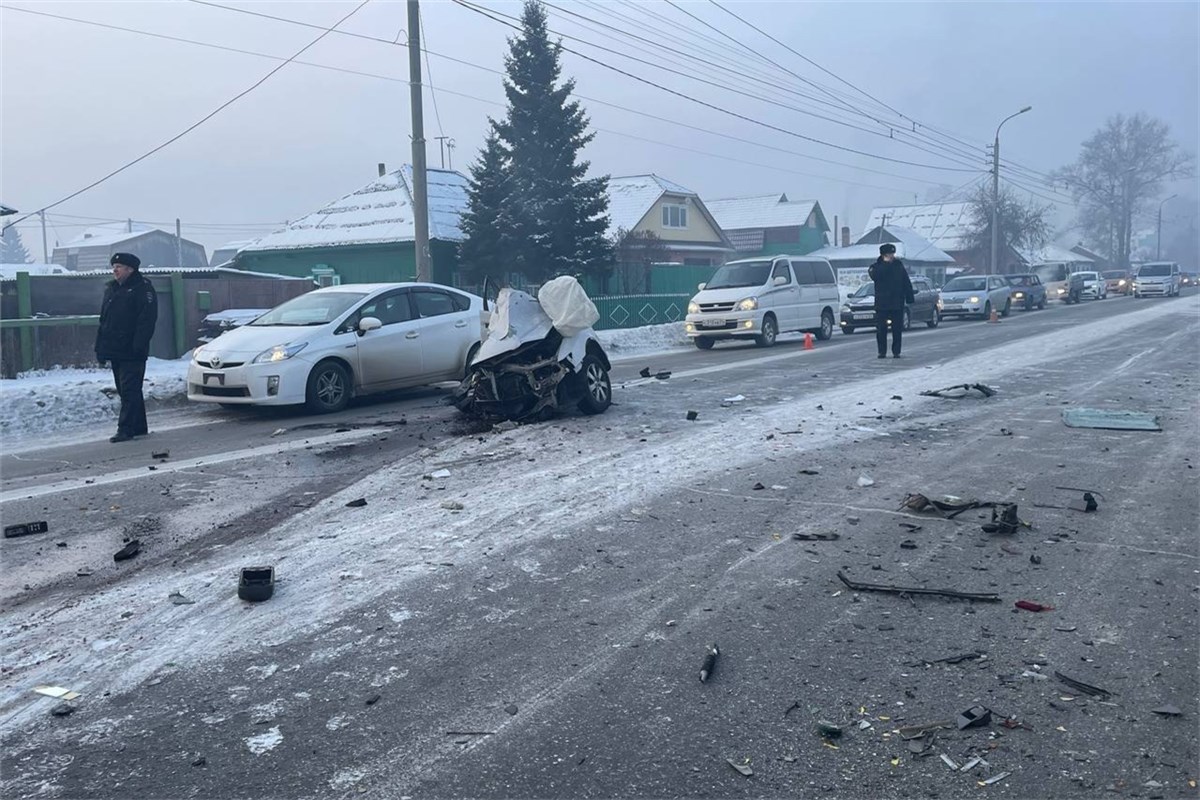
x: 647, y: 339
x: 54, y: 400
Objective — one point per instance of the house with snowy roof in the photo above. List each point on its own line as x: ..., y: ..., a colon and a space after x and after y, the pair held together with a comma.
x: 771, y: 224
x: 674, y: 213
x: 369, y: 235
x: 920, y: 256
x: 93, y: 248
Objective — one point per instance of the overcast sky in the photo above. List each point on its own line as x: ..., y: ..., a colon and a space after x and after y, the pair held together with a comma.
x: 80, y: 101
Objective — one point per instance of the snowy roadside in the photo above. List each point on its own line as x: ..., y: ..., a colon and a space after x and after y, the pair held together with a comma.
x: 568, y: 472
x: 59, y: 400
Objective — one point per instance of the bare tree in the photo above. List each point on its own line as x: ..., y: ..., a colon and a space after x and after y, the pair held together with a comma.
x: 636, y: 252
x: 1023, y: 226
x: 1119, y: 174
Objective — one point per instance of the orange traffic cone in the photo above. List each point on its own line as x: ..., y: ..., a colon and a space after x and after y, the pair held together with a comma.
x: 995, y: 317
x: 808, y: 341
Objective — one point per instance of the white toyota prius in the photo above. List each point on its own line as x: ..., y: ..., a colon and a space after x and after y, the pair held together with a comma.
x: 324, y: 347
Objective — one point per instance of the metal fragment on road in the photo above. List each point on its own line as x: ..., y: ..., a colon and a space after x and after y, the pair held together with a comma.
x: 1080, y: 686
x: 994, y: 779
x: 974, y: 717
x: 949, y: 762
x: 830, y: 729
x: 439, y: 474
x: 179, y: 599
x: 742, y: 768
x: 1110, y: 420
x: 877, y: 587
x: 1167, y: 710
x: 57, y: 692
x: 359, y: 503
x: 25, y: 529
x: 710, y: 663
x: 972, y: 764
x: 816, y: 537
x: 964, y: 390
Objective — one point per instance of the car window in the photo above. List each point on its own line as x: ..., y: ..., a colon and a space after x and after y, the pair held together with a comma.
x: 804, y: 273
x: 782, y: 271
x: 920, y: 285
x: 823, y: 272
x: 389, y: 308
x: 432, y: 303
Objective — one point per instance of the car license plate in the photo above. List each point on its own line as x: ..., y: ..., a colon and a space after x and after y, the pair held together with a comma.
x: 712, y: 323
x: 952, y: 303
x: 219, y: 376
x: 866, y: 315
x: 25, y: 529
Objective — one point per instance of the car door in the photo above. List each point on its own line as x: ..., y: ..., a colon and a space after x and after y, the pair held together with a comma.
x: 785, y: 299
x: 446, y: 332
x: 922, y: 307
x: 808, y: 310
x: 389, y: 356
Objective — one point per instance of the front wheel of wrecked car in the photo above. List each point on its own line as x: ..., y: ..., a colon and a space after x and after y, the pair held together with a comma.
x: 597, y: 394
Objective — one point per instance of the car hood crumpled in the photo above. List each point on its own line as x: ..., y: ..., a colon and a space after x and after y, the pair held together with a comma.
x: 519, y: 318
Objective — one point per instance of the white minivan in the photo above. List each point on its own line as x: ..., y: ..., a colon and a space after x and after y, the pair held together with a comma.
x: 759, y: 298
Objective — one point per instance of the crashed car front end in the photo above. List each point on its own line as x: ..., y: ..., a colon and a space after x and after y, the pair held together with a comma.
x: 534, y: 364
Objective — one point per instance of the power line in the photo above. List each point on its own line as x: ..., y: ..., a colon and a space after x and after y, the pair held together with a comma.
x: 429, y: 75
x: 712, y: 106
x: 204, y: 119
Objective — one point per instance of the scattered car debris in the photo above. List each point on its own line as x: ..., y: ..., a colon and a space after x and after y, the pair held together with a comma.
x: 910, y: 527
x: 972, y: 764
x: 359, y: 503
x: 256, y: 584
x: 278, y: 432
x: 1167, y: 711
x: 737, y: 398
x: 452, y: 505
x: 1065, y: 628
x: 964, y: 390
x: 949, y: 762
x: 470, y: 733
x: 645, y: 373
x: 742, y: 768
x: 1029, y: 605
x: 662, y: 375
x: 974, y: 655
x: 373, y: 699
x: 57, y: 692
x: 947, y: 506
x: 1109, y: 420
x: 439, y: 474
x: 1004, y: 519
x: 758, y: 487
x: 127, y: 552
x: 863, y: 724
x: 974, y: 717
x: 877, y: 587
x: 897, y: 397
x: 828, y: 729
x: 179, y: 599
x: 1080, y: 686
x: 1005, y: 432
x: 25, y: 529
x: 816, y: 537
x: 62, y: 710
x: 908, y: 544
x: 1037, y: 676
x: 994, y: 779
x: 200, y: 762
x: 865, y: 480
x: 1034, y: 558
x: 917, y: 731
x: 1087, y: 505
x: 692, y: 416
x: 83, y: 572
x: 161, y: 455
x: 710, y: 663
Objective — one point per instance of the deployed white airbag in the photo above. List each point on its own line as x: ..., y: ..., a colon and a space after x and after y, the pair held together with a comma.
x: 570, y: 310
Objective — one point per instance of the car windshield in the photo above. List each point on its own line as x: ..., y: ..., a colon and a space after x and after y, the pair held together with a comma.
x: 1087, y: 276
x: 865, y: 290
x: 965, y: 285
x: 1020, y: 280
x: 1154, y: 271
x: 315, y: 308
x: 1114, y: 275
x: 747, y: 273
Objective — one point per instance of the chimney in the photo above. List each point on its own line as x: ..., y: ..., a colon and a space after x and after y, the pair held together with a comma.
x: 382, y: 169
x: 845, y: 236
x: 835, y: 230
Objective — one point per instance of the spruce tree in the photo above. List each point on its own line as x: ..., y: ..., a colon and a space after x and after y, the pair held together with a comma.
x: 12, y: 250
x: 556, y: 218
x: 484, y: 248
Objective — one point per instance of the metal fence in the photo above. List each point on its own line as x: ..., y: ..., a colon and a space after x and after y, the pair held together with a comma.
x: 636, y: 310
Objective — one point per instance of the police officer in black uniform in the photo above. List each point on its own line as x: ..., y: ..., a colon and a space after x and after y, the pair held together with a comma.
x: 127, y: 318
x: 893, y: 290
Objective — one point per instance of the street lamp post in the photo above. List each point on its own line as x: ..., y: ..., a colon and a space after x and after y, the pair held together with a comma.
x: 996, y: 191
x: 1158, y: 236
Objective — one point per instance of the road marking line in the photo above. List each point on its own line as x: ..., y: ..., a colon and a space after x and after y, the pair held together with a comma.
x: 73, y: 484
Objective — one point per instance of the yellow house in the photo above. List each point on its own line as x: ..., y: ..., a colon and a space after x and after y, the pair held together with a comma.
x: 676, y: 214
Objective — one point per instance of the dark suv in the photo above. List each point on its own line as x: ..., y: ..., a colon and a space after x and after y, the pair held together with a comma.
x: 859, y: 309
x: 1028, y: 291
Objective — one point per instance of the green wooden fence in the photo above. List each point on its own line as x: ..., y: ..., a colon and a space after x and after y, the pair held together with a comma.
x: 636, y: 310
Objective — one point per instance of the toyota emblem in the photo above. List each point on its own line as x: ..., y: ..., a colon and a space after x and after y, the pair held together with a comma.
x: 215, y: 361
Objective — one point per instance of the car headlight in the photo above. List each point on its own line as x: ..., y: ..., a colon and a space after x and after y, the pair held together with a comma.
x: 973, y: 300
x: 693, y: 307
x: 940, y: 304
x: 1019, y: 295
x: 749, y: 304
x: 280, y: 352
x: 846, y: 309
x: 1062, y: 290
x: 1121, y: 282
x: 198, y: 354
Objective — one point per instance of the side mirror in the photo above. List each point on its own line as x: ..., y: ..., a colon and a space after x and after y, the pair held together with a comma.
x: 780, y: 280
x: 368, y: 324
x: 701, y: 286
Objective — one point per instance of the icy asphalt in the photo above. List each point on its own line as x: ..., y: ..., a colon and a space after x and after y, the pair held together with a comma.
x: 545, y: 639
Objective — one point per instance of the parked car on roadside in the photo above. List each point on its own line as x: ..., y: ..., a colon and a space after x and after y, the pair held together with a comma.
x: 322, y: 348
x: 1028, y: 291
x: 1157, y: 279
x: 859, y: 309
x: 1187, y: 279
x: 975, y: 296
x: 1117, y: 281
x: 1094, y: 286
x: 218, y: 322
x: 758, y: 298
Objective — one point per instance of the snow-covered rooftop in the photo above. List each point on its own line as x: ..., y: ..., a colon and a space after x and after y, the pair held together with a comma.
x: 630, y: 197
x: 944, y: 224
x: 910, y: 246
x: 109, y: 235
x: 9, y: 271
x: 763, y: 211
x: 1054, y: 254
x: 380, y: 212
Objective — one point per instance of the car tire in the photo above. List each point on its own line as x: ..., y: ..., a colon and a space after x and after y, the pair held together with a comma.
x: 770, y: 332
x: 825, y: 332
x: 906, y: 320
x: 935, y: 320
x: 1041, y: 304
x: 987, y: 311
x: 704, y: 343
x: 848, y: 329
x: 328, y: 388
x: 1007, y: 308
x: 597, y: 387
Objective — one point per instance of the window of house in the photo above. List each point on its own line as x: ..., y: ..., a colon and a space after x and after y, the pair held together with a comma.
x: 674, y: 216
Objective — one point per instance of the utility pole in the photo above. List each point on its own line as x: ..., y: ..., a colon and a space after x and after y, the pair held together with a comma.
x: 1157, y: 238
x: 178, y: 243
x: 420, y: 190
x: 996, y: 192
x: 45, y: 252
